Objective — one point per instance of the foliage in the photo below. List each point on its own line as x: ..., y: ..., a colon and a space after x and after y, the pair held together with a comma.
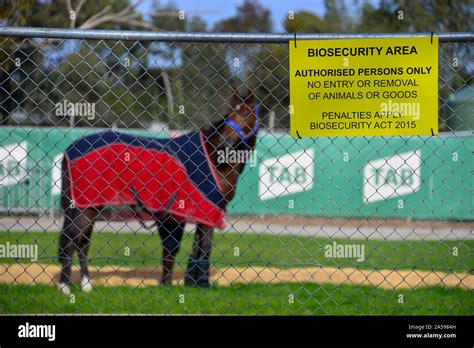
x: 162, y: 78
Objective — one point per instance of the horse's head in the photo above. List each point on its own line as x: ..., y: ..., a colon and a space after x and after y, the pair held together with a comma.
x: 242, y: 122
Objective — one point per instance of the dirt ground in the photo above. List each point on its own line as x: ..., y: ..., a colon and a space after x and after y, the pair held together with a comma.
x: 35, y: 273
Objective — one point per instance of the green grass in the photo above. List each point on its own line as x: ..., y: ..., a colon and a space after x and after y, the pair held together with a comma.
x: 254, y: 250
x: 309, y: 299
x: 259, y: 250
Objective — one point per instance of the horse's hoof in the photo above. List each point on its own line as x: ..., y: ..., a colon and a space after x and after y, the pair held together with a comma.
x: 196, y: 283
x: 86, y: 285
x: 201, y: 285
x: 197, y: 273
x: 64, y: 288
x: 166, y: 281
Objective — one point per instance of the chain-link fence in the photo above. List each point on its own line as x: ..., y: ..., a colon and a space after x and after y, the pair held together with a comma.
x: 155, y: 134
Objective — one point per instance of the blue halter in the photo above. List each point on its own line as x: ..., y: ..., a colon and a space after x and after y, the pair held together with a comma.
x: 236, y: 127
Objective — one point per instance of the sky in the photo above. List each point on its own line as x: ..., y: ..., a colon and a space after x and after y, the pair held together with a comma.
x: 213, y: 11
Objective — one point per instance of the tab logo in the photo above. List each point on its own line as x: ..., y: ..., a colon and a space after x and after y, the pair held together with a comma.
x: 290, y: 173
x: 13, y: 163
x: 391, y: 177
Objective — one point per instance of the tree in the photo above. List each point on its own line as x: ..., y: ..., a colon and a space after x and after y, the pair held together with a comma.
x: 381, y: 19
x: 269, y: 75
x: 304, y: 22
x: 337, y: 18
x: 248, y: 62
x: 205, y: 81
x: 251, y: 17
x: 436, y: 15
x: 36, y: 55
x: 443, y: 16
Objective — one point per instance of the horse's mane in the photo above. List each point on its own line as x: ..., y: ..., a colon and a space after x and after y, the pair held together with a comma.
x: 216, y: 127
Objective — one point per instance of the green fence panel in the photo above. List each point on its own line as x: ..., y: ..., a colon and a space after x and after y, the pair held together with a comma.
x: 384, y: 177
x: 30, y: 165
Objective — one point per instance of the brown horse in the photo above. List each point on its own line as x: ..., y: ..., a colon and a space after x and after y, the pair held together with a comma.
x: 236, y: 132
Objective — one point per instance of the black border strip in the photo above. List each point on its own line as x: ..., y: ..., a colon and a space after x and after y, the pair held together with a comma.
x: 208, y: 330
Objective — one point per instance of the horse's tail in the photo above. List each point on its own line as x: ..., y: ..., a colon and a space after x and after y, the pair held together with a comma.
x: 68, y: 210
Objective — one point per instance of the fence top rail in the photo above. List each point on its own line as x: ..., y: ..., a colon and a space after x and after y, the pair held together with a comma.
x: 126, y: 35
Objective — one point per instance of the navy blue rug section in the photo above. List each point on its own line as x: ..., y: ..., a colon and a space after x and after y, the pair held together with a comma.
x: 188, y: 149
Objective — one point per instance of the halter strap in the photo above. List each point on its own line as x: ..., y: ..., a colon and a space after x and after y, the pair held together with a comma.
x: 238, y: 129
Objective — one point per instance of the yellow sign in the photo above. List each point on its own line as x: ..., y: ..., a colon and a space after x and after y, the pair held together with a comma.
x: 364, y: 87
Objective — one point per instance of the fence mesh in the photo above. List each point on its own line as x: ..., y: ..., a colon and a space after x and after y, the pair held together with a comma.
x: 363, y: 225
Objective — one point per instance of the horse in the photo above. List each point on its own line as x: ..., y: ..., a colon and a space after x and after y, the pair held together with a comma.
x: 235, y: 132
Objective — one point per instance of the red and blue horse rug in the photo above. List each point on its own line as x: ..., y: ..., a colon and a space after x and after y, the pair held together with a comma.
x: 162, y: 175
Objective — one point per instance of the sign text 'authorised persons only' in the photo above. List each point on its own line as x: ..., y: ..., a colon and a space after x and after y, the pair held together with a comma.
x: 364, y: 87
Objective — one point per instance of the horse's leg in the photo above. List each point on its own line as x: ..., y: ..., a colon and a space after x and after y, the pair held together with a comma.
x: 68, y: 232
x: 197, y: 273
x: 66, y: 248
x: 85, y: 221
x: 171, y: 233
